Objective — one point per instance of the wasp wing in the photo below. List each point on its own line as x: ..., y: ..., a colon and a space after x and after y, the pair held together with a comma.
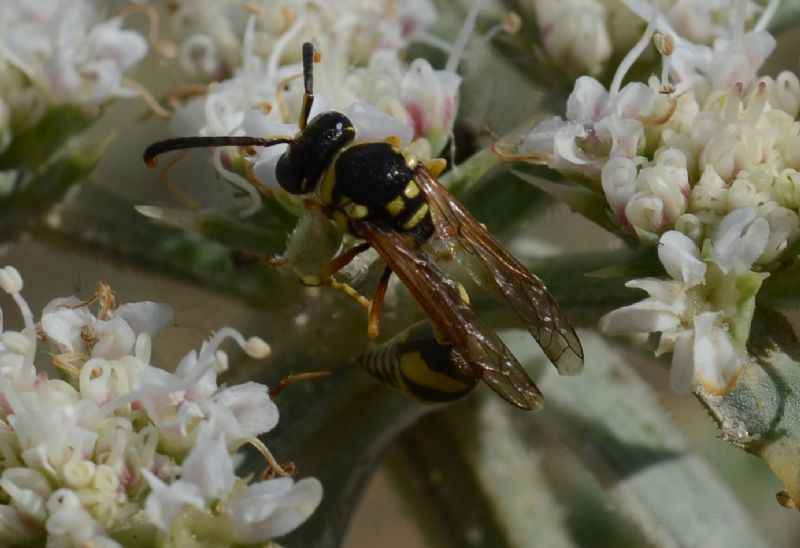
x: 525, y: 292
x: 457, y: 322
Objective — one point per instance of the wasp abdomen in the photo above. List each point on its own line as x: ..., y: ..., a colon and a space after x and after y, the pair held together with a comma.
x: 418, y: 365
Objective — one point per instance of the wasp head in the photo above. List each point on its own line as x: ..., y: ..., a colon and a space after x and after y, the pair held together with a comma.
x: 299, y: 168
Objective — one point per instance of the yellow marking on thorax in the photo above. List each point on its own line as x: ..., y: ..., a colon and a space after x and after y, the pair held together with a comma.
x: 397, y: 145
x: 394, y: 141
x: 411, y: 160
x: 396, y: 206
x: 328, y: 184
x: 356, y: 211
x: 341, y: 219
x: 411, y: 191
x: 417, y: 217
x: 414, y: 368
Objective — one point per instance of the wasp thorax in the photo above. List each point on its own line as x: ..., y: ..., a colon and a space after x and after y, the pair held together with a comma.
x: 301, y: 166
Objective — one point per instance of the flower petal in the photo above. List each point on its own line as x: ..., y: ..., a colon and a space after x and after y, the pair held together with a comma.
x: 165, y: 501
x: 681, y: 258
x: 646, y: 316
x: 272, y: 508
x: 681, y: 373
x: 741, y: 238
x: 717, y: 362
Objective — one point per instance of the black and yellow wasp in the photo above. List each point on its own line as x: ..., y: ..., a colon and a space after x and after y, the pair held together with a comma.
x: 383, y: 195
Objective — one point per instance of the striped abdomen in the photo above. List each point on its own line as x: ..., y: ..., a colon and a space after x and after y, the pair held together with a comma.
x: 418, y: 365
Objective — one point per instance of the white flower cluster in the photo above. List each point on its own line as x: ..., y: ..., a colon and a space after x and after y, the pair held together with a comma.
x: 117, y: 443
x: 210, y: 32
x: 708, y: 162
x: 704, y: 311
x: 380, y: 92
x: 581, y: 36
x: 60, y: 51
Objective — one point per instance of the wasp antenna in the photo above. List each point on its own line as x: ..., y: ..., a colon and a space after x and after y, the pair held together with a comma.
x: 309, y: 56
x: 180, y: 143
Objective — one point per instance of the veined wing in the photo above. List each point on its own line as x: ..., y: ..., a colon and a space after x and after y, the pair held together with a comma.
x: 457, y: 322
x: 525, y: 292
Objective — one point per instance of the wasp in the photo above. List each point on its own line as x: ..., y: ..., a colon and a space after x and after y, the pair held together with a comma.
x: 383, y: 195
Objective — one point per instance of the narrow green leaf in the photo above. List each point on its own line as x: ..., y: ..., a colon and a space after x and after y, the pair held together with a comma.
x: 787, y: 16
x: 590, y: 204
x: 35, y: 147
x: 241, y: 234
x: 470, y: 172
x: 471, y: 480
x: 614, y: 423
x: 41, y: 187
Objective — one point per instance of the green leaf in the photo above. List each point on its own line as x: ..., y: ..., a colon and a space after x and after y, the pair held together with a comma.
x: 97, y: 221
x: 615, y: 425
x: 787, y: 16
x: 35, y: 147
x: 470, y: 479
x: 262, y: 234
x: 40, y: 187
x: 590, y: 204
x: 470, y: 172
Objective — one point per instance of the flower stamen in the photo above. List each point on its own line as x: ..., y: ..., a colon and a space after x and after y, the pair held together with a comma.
x: 636, y: 51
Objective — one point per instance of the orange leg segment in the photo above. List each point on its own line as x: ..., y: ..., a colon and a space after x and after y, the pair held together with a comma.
x: 341, y: 261
x: 376, y: 307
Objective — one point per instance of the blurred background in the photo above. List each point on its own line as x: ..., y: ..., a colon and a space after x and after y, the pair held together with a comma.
x: 422, y: 482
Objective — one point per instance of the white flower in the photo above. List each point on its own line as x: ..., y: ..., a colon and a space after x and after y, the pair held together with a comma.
x: 273, y: 508
x: 574, y: 33
x: 74, y: 329
x: 666, y: 307
x: 419, y: 97
x: 167, y: 500
x: 618, y: 178
x: 80, y: 457
x: 68, y: 51
x: 705, y: 356
x: 386, y: 97
x: 69, y: 524
x: 176, y: 401
x: 662, y: 194
x: 257, y: 512
x: 681, y: 258
x: 741, y: 238
x: 210, y: 32
x: 683, y: 157
x: 661, y: 311
x: 703, y: 312
x: 598, y: 125
x: 719, y: 67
